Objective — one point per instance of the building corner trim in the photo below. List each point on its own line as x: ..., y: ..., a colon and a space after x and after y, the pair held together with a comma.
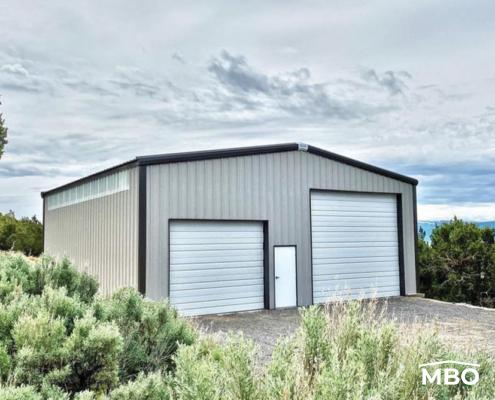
x: 142, y: 205
x: 44, y: 224
x: 400, y: 236
x: 416, y: 250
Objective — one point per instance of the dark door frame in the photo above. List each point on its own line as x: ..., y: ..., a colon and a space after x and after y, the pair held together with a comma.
x: 266, y: 261
x: 400, y: 232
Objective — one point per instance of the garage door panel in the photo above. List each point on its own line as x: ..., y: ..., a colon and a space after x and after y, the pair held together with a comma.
x: 216, y: 267
x: 207, y: 308
x: 344, y: 206
x: 218, y: 237
x: 352, y: 196
x: 215, y: 293
x: 353, y: 229
x: 217, y: 247
x: 358, y: 213
x: 355, y: 252
x: 349, y: 295
x: 186, y: 284
x: 334, y: 238
x: 219, y: 304
x: 350, y: 203
x: 360, y: 267
x: 353, y: 280
x: 211, y: 276
x: 353, y: 260
x: 353, y: 224
x: 230, y: 267
x: 354, y: 245
x: 217, y: 227
x: 215, y: 257
x: 372, y: 287
x: 215, y: 240
x: 352, y: 217
x: 336, y: 243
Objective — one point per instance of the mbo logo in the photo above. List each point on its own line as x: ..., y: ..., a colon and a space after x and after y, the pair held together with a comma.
x: 450, y: 375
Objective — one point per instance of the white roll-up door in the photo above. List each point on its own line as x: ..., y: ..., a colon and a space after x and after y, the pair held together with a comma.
x: 216, y: 267
x: 354, y: 245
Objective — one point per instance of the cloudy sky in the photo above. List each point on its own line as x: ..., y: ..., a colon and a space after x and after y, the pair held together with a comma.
x: 406, y: 85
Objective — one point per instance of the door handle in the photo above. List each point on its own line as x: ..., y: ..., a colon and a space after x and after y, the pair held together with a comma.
x: 276, y: 277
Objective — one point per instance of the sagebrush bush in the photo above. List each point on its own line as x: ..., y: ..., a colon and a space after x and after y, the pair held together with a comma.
x: 345, y: 351
x: 155, y: 386
x: 207, y: 370
x: 18, y: 393
x: 60, y: 341
x: 151, y: 331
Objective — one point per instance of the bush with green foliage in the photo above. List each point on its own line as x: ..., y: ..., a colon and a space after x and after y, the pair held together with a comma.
x: 24, y: 235
x: 345, y: 351
x: 58, y: 338
x: 60, y: 341
x: 459, y: 263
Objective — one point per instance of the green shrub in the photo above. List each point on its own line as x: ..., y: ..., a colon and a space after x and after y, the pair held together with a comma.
x: 357, y: 354
x: 19, y: 393
x: 198, y: 376
x: 459, y: 263
x: 64, y: 275
x: 39, y: 344
x: 154, y: 386
x: 18, y: 274
x: 59, y: 338
x: 93, y: 355
x: 346, y: 351
x: 24, y: 235
x: 151, y: 332
x: 59, y: 341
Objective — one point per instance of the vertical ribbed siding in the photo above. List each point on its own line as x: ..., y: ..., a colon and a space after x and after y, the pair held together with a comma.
x: 273, y: 187
x: 100, y: 236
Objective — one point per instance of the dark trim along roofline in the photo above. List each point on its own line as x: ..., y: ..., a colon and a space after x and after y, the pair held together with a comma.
x: 235, y: 152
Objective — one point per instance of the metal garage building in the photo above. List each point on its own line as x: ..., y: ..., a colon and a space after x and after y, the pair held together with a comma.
x: 240, y: 229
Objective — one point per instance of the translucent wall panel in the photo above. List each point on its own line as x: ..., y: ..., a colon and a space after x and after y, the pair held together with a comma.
x: 94, y: 189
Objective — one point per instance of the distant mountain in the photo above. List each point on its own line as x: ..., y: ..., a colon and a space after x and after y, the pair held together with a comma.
x: 428, y: 226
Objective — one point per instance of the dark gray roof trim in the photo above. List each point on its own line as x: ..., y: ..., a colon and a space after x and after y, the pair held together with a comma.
x: 233, y: 152
x: 361, y: 165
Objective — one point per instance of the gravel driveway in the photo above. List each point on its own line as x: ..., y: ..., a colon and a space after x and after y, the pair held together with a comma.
x: 459, y: 324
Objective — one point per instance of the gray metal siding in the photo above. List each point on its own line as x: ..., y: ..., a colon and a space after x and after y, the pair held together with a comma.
x: 274, y: 187
x: 99, y: 236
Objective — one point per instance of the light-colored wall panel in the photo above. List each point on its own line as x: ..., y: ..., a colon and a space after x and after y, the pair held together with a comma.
x: 99, y: 236
x: 273, y: 187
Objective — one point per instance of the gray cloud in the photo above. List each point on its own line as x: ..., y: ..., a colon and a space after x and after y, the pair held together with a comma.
x: 87, y: 87
x: 394, y: 82
x: 294, y: 92
x: 235, y: 73
x: 14, y: 69
x: 19, y: 171
x: 178, y: 57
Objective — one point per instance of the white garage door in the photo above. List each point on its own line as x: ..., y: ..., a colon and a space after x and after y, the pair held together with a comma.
x: 216, y: 267
x: 355, y: 245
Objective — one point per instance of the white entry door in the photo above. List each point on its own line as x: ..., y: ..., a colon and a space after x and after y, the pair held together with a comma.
x: 285, y: 276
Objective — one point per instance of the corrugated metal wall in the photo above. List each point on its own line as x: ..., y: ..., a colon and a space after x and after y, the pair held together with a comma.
x: 273, y: 187
x: 99, y: 236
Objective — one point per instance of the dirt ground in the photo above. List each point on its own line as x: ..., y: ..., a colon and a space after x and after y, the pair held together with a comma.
x: 460, y: 325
